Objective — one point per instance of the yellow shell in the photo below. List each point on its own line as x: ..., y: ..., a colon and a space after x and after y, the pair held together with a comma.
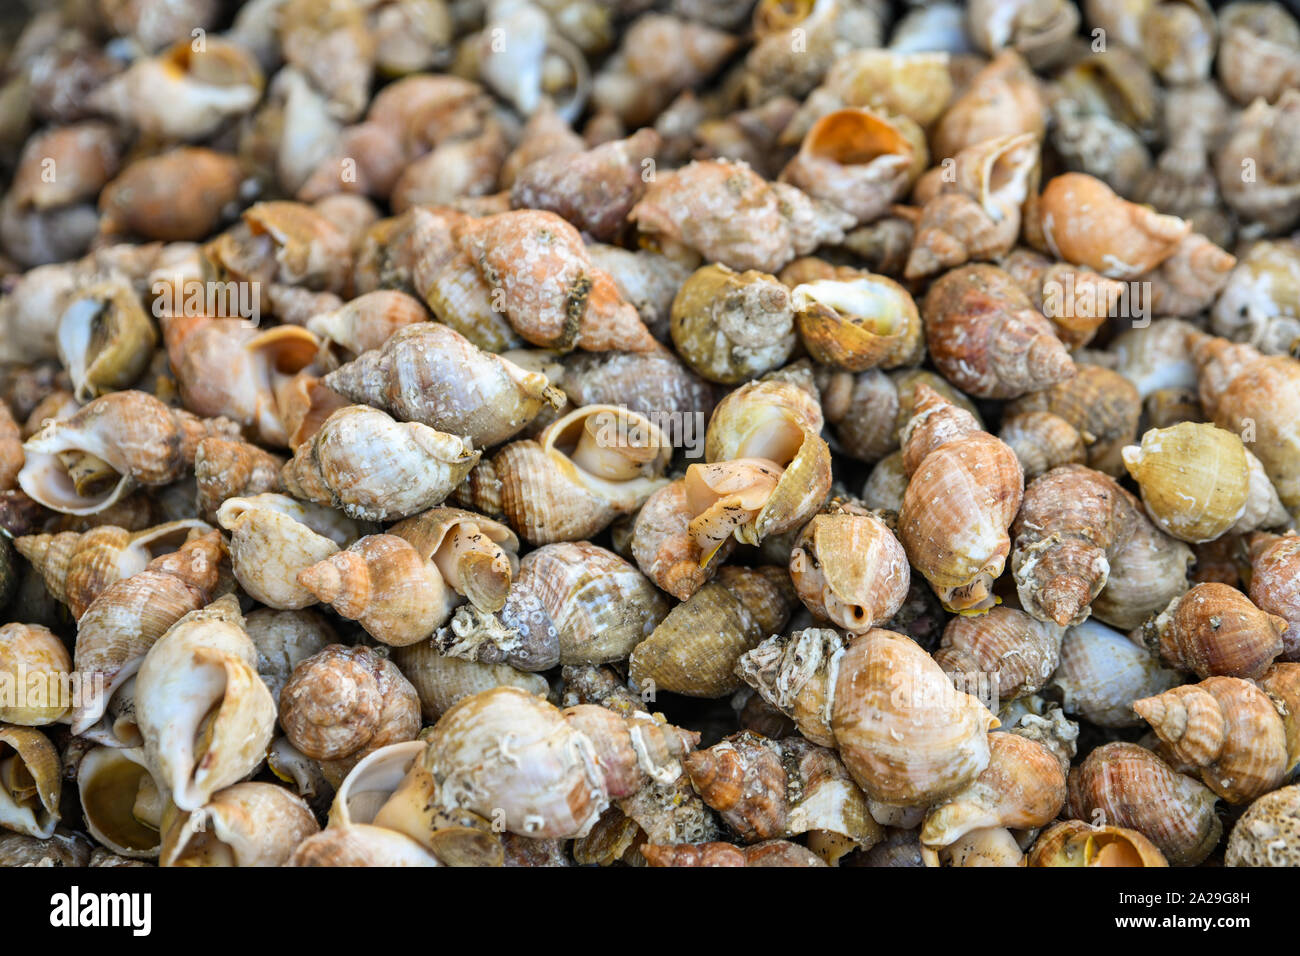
x: 1075, y: 843
x: 859, y: 323
x: 31, y: 781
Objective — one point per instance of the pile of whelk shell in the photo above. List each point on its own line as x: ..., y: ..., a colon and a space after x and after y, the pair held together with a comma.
x: 402, y: 573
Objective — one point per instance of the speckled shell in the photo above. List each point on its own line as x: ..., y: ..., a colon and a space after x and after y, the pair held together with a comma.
x: 29, y: 796
x: 138, y: 437
x: 1268, y: 833
x: 957, y: 509
x: 204, y: 663
x: 1041, y: 441
x: 1121, y: 784
x: 1190, y: 280
x: 374, y: 468
x: 1227, y: 729
x: 1275, y: 584
x: 848, y: 568
x: 1075, y: 843
x: 226, y: 468
x: 729, y: 214
x: 283, y: 639
x: 694, y: 649
x: 986, y: 338
x: 123, y: 622
x: 249, y: 824
x: 1005, y: 642
x: 602, y: 605
x: 429, y: 373
x: 732, y: 326
x: 476, y: 556
x: 1101, y: 673
x: 1214, y: 630
x: 916, y: 85
x: 78, y: 566
x: 855, y: 159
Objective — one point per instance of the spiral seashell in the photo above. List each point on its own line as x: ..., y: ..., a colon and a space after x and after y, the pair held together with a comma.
x: 475, y: 556
x: 1085, y: 222
x: 1123, y: 785
x: 848, y: 568
x: 430, y: 374
x: 1003, y: 99
x: 1190, y: 280
x: 1260, y: 302
x: 1076, y: 301
x: 182, y: 194
x: 273, y: 538
x: 659, y: 56
x: 766, y: 789
x: 120, y: 802
x: 547, y: 134
x: 559, y: 769
x: 730, y: 327
x: 228, y: 468
x: 1040, y: 32
x: 1225, y: 728
x: 730, y: 215
x: 120, y: 626
x: 1145, y: 575
x: 964, y: 489
x: 870, y: 700
x: 90, y: 460
x: 975, y: 215
x: 1214, y: 630
x: 386, y: 585
x: 664, y: 548
x: 344, y: 703
x: 1103, y: 406
x: 31, y: 782
x: 78, y: 566
x: 374, y: 468
x: 1275, y: 584
x: 1070, y: 527
x: 1042, y: 441
x: 1259, y: 51
x: 105, y: 338
x: 367, y: 322
x: 442, y: 681
x: 602, y: 606
x: 1101, y: 673
x: 1019, y: 651
x: 249, y: 824
x: 1256, y: 396
x: 593, y: 189
x: 582, y: 471
x: 1256, y: 166
x: 1023, y: 786
x: 858, y: 321
x: 855, y: 159
x: 1075, y: 843
x: 987, y: 339
x: 694, y: 649
x: 204, y: 713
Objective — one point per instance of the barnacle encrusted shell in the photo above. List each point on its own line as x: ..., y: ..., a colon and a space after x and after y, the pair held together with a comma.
x: 602, y: 606
x: 732, y: 326
x: 1268, y: 833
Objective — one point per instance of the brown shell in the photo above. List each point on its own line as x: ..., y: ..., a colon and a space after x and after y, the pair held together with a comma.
x: 694, y: 649
x: 858, y: 322
x: 666, y: 551
x: 730, y: 327
x: 1103, y: 406
x: 1041, y: 441
x: 177, y: 195
x: 1124, y: 785
x: 1019, y: 650
x: 230, y: 468
x: 1275, y: 584
x: 848, y: 568
x: 1214, y: 630
x: 986, y: 337
x: 1003, y: 99
x: 346, y: 702
x: 1075, y: 843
